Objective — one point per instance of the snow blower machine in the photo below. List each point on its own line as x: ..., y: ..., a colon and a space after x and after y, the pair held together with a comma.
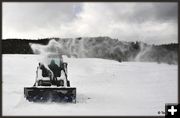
x: 51, y: 83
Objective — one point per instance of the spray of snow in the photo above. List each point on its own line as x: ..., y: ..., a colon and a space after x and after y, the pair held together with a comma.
x: 106, y: 48
x: 142, y: 55
x: 70, y: 47
x: 44, y: 51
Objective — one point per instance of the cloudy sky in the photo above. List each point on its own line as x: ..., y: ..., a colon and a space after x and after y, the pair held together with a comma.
x: 149, y: 22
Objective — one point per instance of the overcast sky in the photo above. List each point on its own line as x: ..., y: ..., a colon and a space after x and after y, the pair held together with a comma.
x: 149, y: 22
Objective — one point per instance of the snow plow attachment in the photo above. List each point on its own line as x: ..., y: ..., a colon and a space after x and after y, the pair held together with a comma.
x: 42, y: 94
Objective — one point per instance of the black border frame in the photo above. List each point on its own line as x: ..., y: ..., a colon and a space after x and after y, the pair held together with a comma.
x: 177, y: 1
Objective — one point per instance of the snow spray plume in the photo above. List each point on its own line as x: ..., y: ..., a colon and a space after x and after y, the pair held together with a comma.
x: 95, y: 47
x: 53, y: 47
x: 106, y: 48
x: 149, y: 53
x: 142, y: 55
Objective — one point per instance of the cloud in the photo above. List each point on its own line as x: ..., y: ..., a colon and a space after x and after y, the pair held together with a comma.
x: 28, y: 18
x: 148, y: 22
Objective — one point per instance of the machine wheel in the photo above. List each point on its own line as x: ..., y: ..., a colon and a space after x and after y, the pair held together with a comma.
x: 60, y: 83
x: 68, y: 83
x: 40, y: 82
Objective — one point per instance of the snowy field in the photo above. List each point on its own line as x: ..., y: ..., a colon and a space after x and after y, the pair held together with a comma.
x: 104, y: 87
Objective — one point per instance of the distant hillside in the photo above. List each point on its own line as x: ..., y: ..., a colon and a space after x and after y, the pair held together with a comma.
x: 99, y: 47
x: 20, y: 46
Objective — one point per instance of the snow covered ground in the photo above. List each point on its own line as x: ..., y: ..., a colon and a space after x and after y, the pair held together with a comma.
x: 104, y: 87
